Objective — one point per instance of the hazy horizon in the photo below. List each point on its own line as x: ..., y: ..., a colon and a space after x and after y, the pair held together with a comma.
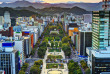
x: 55, y: 1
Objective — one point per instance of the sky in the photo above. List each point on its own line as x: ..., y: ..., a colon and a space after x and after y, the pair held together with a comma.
x: 56, y: 1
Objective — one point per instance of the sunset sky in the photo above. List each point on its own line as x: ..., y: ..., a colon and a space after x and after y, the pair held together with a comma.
x: 55, y: 1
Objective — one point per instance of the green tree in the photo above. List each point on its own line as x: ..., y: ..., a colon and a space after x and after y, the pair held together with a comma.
x: 56, y: 44
x: 64, y: 40
x: 44, y: 43
x: 21, y: 72
x: 48, y: 45
x: 35, y: 70
x: 33, y: 51
x: 66, y: 48
x: 83, y: 64
x: 74, y: 68
x: 60, y: 44
x: 71, y: 67
x: 39, y: 62
x: 24, y: 67
x: 57, y: 38
x: 87, y: 71
x: 52, y: 43
x: 79, y: 71
x: 71, y: 61
x: 41, y: 51
x: 61, y: 32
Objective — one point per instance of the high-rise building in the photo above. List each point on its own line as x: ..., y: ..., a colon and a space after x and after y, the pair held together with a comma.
x: 85, y: 40
x: 99, y: 53
x: 13, y: 22
x: 27, y: 46
x: 101, y: 29
x: 19, y: 45
x: 7, y: 17
x: 9, y: 61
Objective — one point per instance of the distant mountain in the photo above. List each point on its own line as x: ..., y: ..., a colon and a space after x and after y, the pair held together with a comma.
x: 30, y: 8
x: 78, y: 11
x: 58, y: 10
x: 86, y: 6
x: 25, y: 4
x: 16, y: 13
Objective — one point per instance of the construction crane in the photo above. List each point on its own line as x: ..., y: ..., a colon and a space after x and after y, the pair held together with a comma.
x: 106, y: 4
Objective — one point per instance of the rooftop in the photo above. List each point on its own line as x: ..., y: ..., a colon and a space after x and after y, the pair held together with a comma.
x: 102, y: 53
x: 73, y: 25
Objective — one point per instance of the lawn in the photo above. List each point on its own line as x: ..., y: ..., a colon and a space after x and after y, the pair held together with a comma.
x: 49, y: 66
x: 56, y: 50
x: 54, y: 57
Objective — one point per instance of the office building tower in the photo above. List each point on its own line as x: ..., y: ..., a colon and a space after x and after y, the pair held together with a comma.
x: 85, y: 40
x: 9, y: 58
x: 13, y: 22
x: 7, y: 17
x: 27, y: 46
x: 99, y: 53
x: 19, y: 45
x: 101, y: 29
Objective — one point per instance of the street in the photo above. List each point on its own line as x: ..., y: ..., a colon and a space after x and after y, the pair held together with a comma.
x: 31, y: 60
x: 75, y: 58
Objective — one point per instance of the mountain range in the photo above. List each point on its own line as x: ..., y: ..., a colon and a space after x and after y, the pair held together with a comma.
x: 86, y: 6
x: 58, y: 10
x: 17, y: 13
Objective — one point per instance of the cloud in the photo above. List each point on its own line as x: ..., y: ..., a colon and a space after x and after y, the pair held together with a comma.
x: 54, y: 1
x: 7, y: 0
x: 0, y: 2
x: 71, y: 2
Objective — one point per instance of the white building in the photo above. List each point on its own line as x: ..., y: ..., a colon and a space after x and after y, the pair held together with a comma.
x: 7, y: 17
x: 19, y: 45
x: 34, y: 31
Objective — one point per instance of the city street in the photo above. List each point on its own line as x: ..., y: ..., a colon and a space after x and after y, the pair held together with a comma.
x: 31, y: 63
x: 31, y: 60
x: 76, y: 58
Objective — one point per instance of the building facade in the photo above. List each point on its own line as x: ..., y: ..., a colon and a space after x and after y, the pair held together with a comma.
x: 98, y: 54
x: 9, y: 59
x: 101, y: 29
x: 85, y: 40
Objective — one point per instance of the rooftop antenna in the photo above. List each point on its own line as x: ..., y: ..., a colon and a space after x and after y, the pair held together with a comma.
x: 106, y: 4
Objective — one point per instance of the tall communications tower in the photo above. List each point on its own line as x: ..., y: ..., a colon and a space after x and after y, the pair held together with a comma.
x: 106, y: 4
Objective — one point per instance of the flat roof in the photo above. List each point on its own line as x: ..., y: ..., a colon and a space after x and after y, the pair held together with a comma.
x: 73, y: 25
x: 85, y: 31
x: 99, y: 54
